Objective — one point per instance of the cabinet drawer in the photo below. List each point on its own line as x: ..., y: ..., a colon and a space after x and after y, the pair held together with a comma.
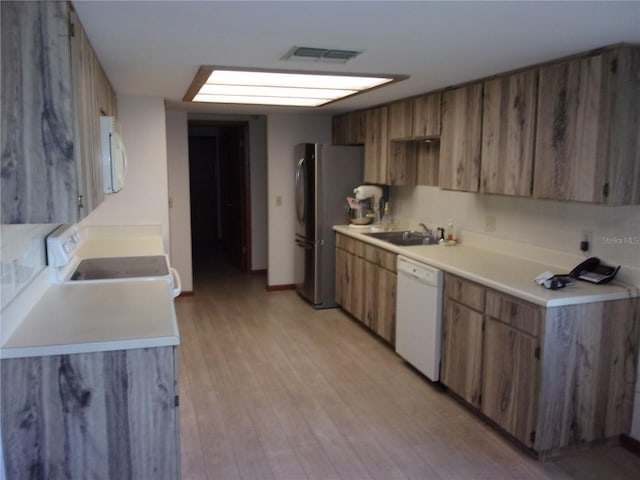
x: 380, y: 257
x: 465, y: 292
x: 517, y: 313
x: 350, y: 245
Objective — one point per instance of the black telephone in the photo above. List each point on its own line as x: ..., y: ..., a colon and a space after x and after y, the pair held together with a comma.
x: 592, y: 270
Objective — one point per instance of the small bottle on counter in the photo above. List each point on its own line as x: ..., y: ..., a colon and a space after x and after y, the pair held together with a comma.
x: 450, y: 235
x: 385, y: 222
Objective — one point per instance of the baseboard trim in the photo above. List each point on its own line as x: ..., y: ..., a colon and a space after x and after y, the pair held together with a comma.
x: 630, y: 444
x: 277, y: 288
x: 188, y: 293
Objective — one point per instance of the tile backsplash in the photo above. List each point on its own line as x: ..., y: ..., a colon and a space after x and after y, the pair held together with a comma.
x: 22, y: 257
x: 615, y: 231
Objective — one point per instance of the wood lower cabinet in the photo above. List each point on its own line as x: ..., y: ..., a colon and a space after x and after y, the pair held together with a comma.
x: 510, y: 379
x: 102, y: 415
x: 550, y: 377
x: 462, y: 351
x: 366, y: 283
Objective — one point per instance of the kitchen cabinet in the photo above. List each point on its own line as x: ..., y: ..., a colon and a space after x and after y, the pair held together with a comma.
x: 461, y: 138
x: 462, y: 338
x: 39, y: 174
x: 386, y: 162
x: 426, y: 112
x: 93, y: 96
x: 366, y: 283
x: 99, y: 415
x: 348, y: 129
x: 587, y: 129
x: 550, y: 377
x: 415, y: 118
x: 508, y: 134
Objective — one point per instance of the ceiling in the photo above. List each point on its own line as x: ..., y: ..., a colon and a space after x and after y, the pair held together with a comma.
x: 155, y: 48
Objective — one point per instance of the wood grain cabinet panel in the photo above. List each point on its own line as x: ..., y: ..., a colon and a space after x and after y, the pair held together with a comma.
x: 508, y: 133
x: 93, y: 97
x: 366, y: 285
x: 464, y: 291
x: 376, y: 146
x: 510, y: 380
x: 349, y: 129
x: 461, y: 138
x: 39, y: 174
x: 461, y: 368
x: 587, y: 146
x: 100, y: 415
x: 400, y: 120
x: 426, y: 116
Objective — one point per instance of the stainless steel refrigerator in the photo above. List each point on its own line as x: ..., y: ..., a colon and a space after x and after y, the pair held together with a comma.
x: 325, y: 176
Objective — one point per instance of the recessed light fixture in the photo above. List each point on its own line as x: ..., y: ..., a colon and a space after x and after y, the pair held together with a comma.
x: 276, y: 87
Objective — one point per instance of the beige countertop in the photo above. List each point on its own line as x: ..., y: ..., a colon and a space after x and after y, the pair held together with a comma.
x: 72, y: 318
x: 507, y: 273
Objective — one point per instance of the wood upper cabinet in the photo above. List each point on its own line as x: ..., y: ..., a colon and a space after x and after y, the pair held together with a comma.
x: 426, y: 113
x: 348, y: 129
x: 39, y: 174
x: 461, y: 138
x: 508, y: 134
x: 587, y: 146
x: 400, y: 120
x: 376, y: 146
x: 93, y: 96
x: 386, y: 162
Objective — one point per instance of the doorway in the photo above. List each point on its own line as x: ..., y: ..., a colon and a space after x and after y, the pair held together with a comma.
x: 219, y: 191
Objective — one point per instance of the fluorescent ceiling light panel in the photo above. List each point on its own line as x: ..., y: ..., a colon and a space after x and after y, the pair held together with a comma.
x: 277, y: 87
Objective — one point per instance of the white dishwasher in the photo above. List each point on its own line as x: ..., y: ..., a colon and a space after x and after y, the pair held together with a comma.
x: 419, y: 316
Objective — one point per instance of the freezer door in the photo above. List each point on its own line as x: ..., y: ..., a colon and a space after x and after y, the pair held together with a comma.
x: 305, y: 193
x: 306, y: 270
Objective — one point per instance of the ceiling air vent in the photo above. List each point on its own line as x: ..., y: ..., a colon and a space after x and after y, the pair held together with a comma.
x: 325, y: 55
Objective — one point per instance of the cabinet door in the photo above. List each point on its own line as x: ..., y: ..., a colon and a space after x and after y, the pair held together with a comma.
x: 510, y: 380
x: 400, y: 120
x: 341, y: 275
x: 426, y: 116
x: 39, y: 174
x: 462, y: 351
x: 508, y: 127
x: 348, y: 129
x: 386, y: 285
x: 574, y: 102
x: 376, y: 146
x: 460, y: 142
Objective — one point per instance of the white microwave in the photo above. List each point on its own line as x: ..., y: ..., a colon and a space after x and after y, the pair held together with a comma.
x: 114, y: 157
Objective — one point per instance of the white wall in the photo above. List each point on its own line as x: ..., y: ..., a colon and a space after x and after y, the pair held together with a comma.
x: 544, y: 223
x: 144, y: 198
x: 179, y: 200
x: 283, y: 133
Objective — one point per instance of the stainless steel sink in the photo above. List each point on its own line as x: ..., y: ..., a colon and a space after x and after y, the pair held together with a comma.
x: 405, y: 238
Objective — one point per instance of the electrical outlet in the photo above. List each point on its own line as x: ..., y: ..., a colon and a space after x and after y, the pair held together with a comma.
x: 490, y: 223
x: 278, y: 200
x: 586, y: 242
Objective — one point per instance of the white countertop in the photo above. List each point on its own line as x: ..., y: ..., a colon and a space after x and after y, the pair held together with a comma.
x: 96, y: 317
x: 506, y: 273
x: 92, y: 317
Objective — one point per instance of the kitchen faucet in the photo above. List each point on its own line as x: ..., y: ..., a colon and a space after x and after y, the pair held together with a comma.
x: 427, y: 230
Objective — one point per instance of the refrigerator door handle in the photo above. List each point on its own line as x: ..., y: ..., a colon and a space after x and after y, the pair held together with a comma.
x: 301, y: 201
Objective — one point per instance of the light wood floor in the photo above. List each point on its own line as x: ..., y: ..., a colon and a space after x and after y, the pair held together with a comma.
x: 272, y: 389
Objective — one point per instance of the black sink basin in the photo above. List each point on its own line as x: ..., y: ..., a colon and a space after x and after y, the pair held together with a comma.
x: 405, y: 238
